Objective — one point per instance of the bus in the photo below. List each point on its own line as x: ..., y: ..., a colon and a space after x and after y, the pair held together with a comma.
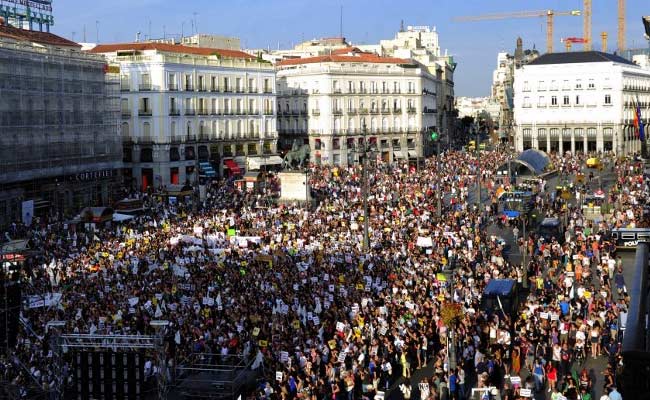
x: 628, y: 238
x: 517, y: 203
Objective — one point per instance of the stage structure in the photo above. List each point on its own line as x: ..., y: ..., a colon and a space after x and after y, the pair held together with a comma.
x: 114, y: 366
x: 213, y: 376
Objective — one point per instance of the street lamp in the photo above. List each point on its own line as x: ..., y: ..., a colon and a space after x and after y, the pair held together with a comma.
x: 366, y: 216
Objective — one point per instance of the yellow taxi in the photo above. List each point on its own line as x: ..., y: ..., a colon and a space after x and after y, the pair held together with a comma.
x: 593, y: 162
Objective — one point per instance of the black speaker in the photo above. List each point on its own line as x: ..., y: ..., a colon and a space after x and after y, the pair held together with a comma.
x: 10, y: 293
x: 107, y: 375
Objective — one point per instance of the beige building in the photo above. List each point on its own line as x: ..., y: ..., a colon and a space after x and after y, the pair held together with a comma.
x: 421, y: 43
x: 188, y: 110
x: 327, y: 101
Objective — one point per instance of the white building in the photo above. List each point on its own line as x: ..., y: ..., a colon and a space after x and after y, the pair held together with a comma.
x: 422, y: 44
x: 327, y: 100
x: 580, y: 101
x: 502, y: 92
x: 186, y: 107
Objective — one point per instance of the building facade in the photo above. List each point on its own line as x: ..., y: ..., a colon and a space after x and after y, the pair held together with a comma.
x: 59, y: 140
x: 422, y: 44
x: 327, y: 101
x: 580, y: 102
x: 502, y: 92
x: 189, y: 109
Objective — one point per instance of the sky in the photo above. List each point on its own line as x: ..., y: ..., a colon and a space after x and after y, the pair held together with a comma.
x: 283, y: 23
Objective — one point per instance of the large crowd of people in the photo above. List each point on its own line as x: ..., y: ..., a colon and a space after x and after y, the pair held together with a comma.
x: 291, y: 288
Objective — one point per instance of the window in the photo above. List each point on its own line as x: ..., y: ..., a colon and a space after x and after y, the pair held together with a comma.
x: 188, y: 82
x: 554, y: 100
x: 335, y: 86
x: 526, y: 102
x: 125, y: 83
x: 541, y: 86
x: 566, y: 101
x: 526, y: 86
x: 145, y: 82
x: 554, y: 85
x: 411, y: 86
x: 591, y: 84
x: 541, y: 101
x: 578, y: 84
x: 608, y: 99
x: 577, y: 100
x: 565, y: 85
x: 171, y: 82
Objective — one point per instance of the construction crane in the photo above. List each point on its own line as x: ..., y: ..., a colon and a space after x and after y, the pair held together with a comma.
x: 621, y: 26
x: 570, y: 40
x: 586, y: 25
x: 603, y: 36
x: 549, y: 14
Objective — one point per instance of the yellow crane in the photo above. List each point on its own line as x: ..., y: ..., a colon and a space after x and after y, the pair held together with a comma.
x: 549, y: 14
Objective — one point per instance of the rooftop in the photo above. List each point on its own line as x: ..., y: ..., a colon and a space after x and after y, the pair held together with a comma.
x: 35, y: 36
x: 170, y: 48
x: 575, y: 57
x: 350, y: 55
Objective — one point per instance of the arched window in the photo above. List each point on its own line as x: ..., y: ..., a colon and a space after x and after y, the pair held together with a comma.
x: 384, y: 124
x: 146, y: 131
x: 396, y: 124
x: 373, y: 124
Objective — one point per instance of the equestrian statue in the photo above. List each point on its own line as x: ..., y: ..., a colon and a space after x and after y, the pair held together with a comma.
x: 298, y: 154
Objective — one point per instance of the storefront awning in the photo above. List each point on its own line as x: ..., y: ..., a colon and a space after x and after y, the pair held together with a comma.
x: 413, y: 154
x: 399, y: 154
x: 232, y: 166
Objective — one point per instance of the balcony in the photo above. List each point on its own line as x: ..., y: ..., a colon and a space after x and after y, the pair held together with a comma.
x: 174, y: 112
x: 203, y: 111
x: 363, y: 111
x: 352, y: 111
x: 190, y: 112
x: 189, y: 88
x: 337, y: 111
x: 227, y: 89
x: 202, y: 89
x: 144, y: 87
x: 252, y: 90
x: 385, y: 110
x: 374, y: 111
x: 126, y: 113
x: 268, y: 90
x: 144, y: 113
x: 214, y: 88
x: 172, y: 87
x: 411, y: 110
x: 239, y: 90
x: 190, y: 138
x: 336, y: 91
x: 268, y: 112
x: 253, y: 112
x: 315, y: 111
x: 397, y: 110
x: 125, y: 88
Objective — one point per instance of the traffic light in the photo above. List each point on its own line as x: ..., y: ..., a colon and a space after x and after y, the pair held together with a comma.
x: 434, y: 135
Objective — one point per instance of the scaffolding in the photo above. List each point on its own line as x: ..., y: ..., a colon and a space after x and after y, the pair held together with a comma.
x: 67, y: 344
x: 58, y: 118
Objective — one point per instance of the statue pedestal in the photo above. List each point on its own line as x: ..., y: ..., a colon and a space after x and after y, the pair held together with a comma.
x: 294, y: 186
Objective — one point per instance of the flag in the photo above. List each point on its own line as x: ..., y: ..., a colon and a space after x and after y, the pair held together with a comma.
x: 638, y: 123
x: 636, y: 119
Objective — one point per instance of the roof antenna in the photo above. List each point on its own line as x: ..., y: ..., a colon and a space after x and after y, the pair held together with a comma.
x: 401, y: 26
x: 341, y: 23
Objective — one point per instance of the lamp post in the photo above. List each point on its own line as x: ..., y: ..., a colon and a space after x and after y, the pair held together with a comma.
x: 366, y: 217
x: 478, y: 166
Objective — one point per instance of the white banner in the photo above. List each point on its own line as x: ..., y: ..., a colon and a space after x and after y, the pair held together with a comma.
x: 28, y: 212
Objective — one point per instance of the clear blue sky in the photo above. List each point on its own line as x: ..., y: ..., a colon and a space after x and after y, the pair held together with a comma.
x: 267, y: 23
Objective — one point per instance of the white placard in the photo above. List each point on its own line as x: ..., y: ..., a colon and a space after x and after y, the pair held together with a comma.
x: 278, y: 376
x: 340, y: 326
x: 543, y: 315
x: 525, y: 393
